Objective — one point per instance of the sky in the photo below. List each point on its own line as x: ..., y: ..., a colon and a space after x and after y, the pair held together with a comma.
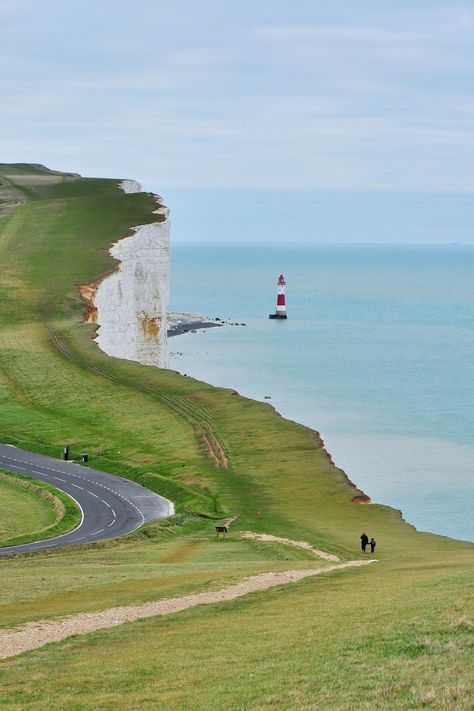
x: 262, y: 120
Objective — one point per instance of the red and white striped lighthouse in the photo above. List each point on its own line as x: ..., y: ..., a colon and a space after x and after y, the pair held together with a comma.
x: 281, y: 303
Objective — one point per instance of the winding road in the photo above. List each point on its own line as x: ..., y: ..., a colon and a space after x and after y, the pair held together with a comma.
x: 111, y: 506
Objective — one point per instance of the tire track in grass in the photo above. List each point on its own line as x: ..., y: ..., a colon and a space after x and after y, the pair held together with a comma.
x: 182, y: 406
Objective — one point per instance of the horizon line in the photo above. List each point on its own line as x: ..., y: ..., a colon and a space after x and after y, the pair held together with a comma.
x: 323, y: 244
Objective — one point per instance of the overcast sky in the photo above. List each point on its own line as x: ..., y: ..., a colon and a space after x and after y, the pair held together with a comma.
x: 256, y: 120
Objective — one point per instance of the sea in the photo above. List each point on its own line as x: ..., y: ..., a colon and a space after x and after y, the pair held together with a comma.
x: 377, y: 354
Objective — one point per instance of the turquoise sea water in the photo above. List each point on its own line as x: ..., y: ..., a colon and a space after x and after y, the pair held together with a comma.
x: 377, y: 354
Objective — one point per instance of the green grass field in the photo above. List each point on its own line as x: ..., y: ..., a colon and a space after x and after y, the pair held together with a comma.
x: 22, y: 512
x: 31, y: 510
x: 395, y: 635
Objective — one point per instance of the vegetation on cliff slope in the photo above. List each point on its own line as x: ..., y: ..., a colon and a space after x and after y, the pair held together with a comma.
x: 374, y: 638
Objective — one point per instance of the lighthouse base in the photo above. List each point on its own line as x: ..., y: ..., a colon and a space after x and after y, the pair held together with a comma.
x: 278, y: 316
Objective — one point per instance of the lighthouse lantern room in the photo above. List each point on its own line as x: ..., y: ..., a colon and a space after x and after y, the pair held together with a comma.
x: 281, y: 303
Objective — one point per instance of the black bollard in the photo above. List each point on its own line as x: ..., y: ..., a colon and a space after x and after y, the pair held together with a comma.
x: 66, y: 453
x: 85, y: 457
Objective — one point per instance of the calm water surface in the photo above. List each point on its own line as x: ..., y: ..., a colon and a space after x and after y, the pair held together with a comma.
x: 377, y: 354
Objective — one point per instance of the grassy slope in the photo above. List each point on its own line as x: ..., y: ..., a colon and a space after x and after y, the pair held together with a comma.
x: 32, y: 510
x: 22, y: 512
x: 392, y: 619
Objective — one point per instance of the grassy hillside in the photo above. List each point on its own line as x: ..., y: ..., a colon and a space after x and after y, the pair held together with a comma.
x: 22, y: 511
x: 31, y: 510
x: 380, y: 637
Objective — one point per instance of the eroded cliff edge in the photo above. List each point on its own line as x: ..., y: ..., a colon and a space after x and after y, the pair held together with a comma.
x: 129, y: 305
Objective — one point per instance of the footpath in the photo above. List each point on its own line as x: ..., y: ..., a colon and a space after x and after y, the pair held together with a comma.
x: 36, y: 634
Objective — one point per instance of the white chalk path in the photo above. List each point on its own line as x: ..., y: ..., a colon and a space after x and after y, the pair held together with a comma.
x: 34, y: 635
x: 297, y: 544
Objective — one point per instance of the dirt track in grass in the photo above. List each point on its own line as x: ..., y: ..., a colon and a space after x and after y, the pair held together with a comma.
x: 37, y: 634
x: 297, y: 544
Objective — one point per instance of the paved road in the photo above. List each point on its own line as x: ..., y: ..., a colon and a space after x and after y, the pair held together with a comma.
x: 111, y: 505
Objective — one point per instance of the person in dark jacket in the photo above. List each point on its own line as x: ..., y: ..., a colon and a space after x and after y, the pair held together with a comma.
x: 364, y: 539
x: 372, y: 544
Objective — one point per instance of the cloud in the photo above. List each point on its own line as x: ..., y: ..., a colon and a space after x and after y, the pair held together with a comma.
x: 354, y: 33
x: 12, y: 8
x: 356, y: 99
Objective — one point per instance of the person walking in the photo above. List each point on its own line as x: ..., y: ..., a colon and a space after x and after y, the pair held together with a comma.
x: 372, y: 544
x: 364, y: 539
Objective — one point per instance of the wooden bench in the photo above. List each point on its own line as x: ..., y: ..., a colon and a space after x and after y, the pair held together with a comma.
x: 221, y: 529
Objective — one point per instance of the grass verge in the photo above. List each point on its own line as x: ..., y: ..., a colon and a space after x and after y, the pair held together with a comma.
x: 57, y: 510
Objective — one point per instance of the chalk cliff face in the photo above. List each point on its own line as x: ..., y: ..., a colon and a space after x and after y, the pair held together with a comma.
x: 130, y: 186
x: 130, y: 304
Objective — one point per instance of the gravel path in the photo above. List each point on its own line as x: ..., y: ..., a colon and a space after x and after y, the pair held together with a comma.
x: 298, y: 544
x: 34, y: 635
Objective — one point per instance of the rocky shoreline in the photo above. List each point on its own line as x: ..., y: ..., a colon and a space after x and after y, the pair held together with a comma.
x: 180, y: 323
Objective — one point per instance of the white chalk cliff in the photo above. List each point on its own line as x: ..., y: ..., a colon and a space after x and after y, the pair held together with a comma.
x: 130, y: 304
